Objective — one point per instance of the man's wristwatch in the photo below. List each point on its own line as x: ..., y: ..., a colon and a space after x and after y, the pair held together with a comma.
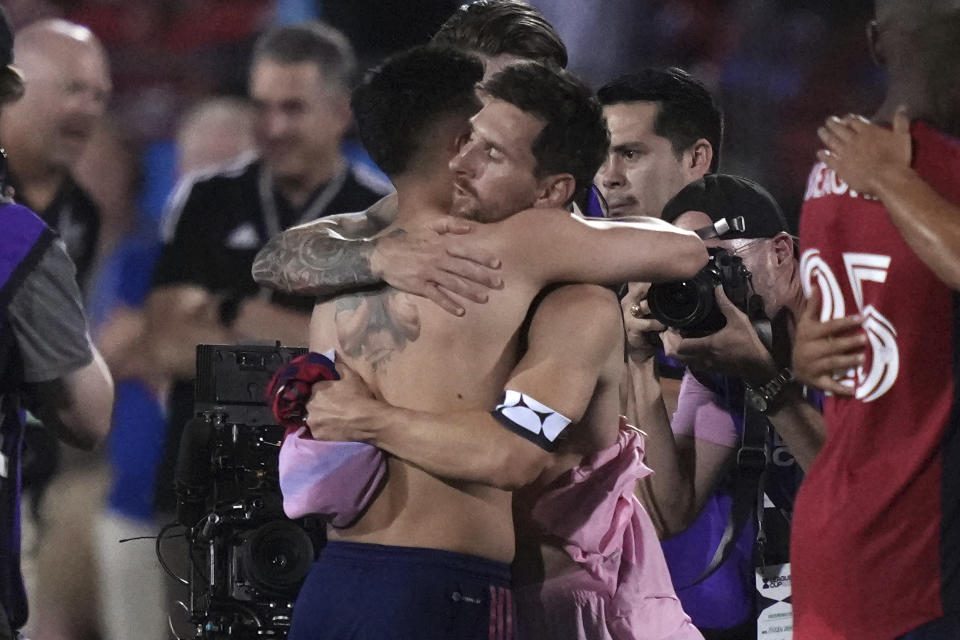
x: 764, y: 397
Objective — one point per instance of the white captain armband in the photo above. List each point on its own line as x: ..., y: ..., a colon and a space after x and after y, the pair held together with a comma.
x: 530, y: 419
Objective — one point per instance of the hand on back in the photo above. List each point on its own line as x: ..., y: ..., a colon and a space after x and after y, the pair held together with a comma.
x: 437, y: 261
x: 860, y: 151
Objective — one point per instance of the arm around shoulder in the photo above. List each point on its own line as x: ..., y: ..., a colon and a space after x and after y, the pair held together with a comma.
x: 930, y: 224
x: 575, y: 249
x: 875, y: 160
x: 319, y: 258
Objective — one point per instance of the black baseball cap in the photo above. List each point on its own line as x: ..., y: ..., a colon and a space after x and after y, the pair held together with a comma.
x: 724, y: 196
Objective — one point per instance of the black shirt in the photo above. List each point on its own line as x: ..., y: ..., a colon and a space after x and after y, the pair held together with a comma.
x: 216, y: 225
x: 75, y: 217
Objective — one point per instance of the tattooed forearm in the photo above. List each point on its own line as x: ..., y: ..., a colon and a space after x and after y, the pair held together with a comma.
x: 319, y: 259
x: 314, y: 263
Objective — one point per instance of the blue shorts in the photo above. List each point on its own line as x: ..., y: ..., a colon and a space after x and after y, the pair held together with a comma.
x: 376, y: 592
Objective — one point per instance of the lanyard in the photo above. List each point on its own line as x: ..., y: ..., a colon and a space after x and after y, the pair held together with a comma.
x: 271, y: 217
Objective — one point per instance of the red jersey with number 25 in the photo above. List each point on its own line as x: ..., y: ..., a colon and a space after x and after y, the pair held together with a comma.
x: 876, y: 529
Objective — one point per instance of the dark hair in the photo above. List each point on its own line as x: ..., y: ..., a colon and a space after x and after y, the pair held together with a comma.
x: 498, y: 27
x: 314, y: 42
x: 686, y: 110
x: 909, y: 16
x: 940, y: 47
x: 410, y: 91
x: 574, y: 138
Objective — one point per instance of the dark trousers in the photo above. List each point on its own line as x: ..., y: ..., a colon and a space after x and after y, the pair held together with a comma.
x: 945, y: 628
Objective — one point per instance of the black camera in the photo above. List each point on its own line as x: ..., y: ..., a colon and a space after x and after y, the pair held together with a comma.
x: 690, y: 306
x: 247, y: 559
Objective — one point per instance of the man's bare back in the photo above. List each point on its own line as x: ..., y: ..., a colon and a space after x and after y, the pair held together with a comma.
x: 414, y: 355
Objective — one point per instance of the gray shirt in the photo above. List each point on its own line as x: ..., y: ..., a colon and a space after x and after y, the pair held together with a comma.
x: 47, y: 321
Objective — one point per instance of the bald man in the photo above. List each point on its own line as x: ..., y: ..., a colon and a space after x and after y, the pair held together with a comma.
x: 67, y: 87
x: 213, y: 132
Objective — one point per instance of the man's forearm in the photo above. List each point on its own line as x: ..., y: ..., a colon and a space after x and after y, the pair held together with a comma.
x: 314, y: 261
x: 467, y: 446
x: 929, y: 223
x: 668, y: 493
x: 79, y: 405
x: 800, y: 425
x: 178, y: 318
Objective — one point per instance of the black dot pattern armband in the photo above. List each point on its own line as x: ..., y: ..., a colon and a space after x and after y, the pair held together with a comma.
x: 530, y: 419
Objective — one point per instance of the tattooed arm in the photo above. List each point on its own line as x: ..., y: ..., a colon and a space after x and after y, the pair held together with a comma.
x: 321, y: 257
x: 342, y: 252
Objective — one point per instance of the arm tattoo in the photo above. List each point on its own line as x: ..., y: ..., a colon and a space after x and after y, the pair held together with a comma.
x: 372, y: 326
x: 319, y: 259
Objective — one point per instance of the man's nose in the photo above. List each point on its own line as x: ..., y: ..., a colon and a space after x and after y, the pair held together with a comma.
x: 274, y: 124
x: 610, y: 174
x: 461, y: 162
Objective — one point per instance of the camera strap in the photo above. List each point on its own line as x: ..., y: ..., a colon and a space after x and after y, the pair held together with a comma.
x: 6, y: 631
x: 747, y: 493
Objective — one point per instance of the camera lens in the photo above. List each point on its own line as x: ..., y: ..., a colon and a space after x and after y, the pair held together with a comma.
x: 675, y: 303
x: 276, y: 558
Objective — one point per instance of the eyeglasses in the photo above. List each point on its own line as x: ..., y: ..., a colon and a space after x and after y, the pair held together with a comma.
x: 752, y: 243
x: 747, y: 245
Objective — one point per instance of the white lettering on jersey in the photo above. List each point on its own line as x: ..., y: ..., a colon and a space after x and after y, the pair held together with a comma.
x: 814, y: 269
x: 824, y: 181
x: 881, y: 334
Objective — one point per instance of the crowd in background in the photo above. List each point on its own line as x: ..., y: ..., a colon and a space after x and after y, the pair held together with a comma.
x: 778, y: 67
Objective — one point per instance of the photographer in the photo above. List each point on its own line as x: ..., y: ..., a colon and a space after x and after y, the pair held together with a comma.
x: 695, y: 455
x: 47, y: 362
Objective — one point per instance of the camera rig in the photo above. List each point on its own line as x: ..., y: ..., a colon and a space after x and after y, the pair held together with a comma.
x: 247, y: 559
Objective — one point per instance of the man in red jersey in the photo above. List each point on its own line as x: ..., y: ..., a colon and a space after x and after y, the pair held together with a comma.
x: 876, y: 522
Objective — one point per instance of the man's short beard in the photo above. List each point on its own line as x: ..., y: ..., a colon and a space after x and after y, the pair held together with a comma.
x: 465, y: 211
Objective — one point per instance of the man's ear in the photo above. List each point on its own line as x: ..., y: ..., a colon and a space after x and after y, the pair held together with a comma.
x: 342, y: 112
x: 556, y: 191
x: 697, y: 159
x: 874, y: 45
x: 784, y: 248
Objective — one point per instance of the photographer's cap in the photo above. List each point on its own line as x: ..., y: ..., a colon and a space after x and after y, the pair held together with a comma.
x: 723, y: 196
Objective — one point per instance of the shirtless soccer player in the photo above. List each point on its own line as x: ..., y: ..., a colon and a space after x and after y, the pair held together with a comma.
x: 429, y: 557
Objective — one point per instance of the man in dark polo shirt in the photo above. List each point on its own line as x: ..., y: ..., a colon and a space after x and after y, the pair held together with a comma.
x: 67, y: 89
x: 203, y: 291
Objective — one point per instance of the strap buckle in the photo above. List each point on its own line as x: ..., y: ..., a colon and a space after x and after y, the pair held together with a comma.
x: 752, y: 459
